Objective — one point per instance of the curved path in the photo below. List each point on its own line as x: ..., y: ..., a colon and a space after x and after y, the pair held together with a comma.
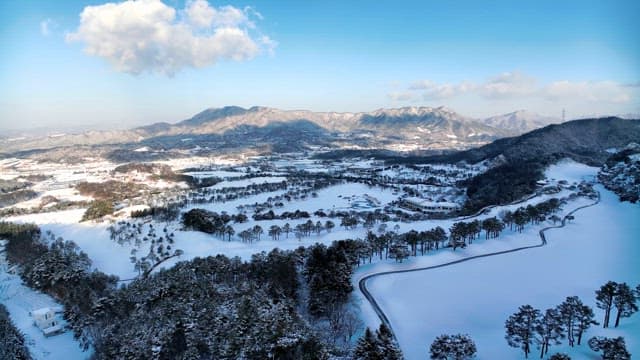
x: 362, y: 284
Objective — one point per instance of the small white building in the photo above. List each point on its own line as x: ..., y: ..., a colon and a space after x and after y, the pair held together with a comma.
x: 45, y: 319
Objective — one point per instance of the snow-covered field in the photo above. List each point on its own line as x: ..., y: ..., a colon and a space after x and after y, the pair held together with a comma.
x: 476, y: 297
x: 250, y: 181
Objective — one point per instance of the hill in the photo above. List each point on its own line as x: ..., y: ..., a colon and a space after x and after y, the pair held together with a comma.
x: 518, y: 162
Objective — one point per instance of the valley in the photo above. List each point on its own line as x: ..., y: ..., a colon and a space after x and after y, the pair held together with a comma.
x: 148, y: 218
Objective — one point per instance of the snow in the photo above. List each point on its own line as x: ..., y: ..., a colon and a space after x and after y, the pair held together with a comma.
x: 92, y: 238
x: 349, y: 196
x: 476, y: 297
x: 470, y: 297
x: 20, y: 300
x: 68, y: 194
x: 250, y: 181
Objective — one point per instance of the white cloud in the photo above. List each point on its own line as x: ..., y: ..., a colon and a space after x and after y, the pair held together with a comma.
x: 46, y: 26
x: 149, y: 36
x: 402, y: 96
x: 508, y: 84
x: 202, y: 15
x: 516, y: 85
x: 435, y: 91
x: 592, y: 91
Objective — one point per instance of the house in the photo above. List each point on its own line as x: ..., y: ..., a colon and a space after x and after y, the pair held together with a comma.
x: 45, y: 319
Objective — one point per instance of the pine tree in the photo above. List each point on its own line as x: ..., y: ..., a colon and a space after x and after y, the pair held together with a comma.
x: 399, y: 251
x: 612, y: 349
x: 520, y: 328
x: 549, y: 329
x: 625, y: 302
x: 387, y: 346
x: 604, y: 300
x: 572, y: 314
x: 367, y: 347
x: 585, y: 320
x: 454, y: 347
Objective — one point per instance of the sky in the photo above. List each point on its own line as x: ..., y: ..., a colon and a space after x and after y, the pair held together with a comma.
x: 96, y: 64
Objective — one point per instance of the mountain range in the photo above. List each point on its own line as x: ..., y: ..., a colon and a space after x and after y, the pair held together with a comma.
x: 406, y: 128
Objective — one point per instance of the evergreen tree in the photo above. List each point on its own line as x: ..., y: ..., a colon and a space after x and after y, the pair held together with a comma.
x: 572, y: 313
x: 549, y: 330
x: 625, y: 302
x: 604, y: 300
x: 452, y: 347
x: 612, y: 349
x: 367, y: 347
x: 387, y: 346
x: 399, y: 251
x: 586, y: 318
x: 521, y: 328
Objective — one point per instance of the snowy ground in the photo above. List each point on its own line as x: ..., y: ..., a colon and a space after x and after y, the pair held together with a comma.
x: 476, y: 297
x: 250, y: 181
x: 468, y: 298
x: 113, y: 258
x: 20, y: 300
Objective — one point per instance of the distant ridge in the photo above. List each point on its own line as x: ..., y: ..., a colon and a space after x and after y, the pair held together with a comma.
x: 411, y: 127
x: 397, y: 129
x: 520, y: 121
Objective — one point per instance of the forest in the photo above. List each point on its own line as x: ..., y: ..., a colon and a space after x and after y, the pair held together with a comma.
x: 278, y: 305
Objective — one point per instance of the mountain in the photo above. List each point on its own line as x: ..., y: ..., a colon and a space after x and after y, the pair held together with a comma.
x: 402, y: 128
x: 519, y: 122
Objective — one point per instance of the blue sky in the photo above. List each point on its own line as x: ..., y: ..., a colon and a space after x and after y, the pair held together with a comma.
x: 478, y: 58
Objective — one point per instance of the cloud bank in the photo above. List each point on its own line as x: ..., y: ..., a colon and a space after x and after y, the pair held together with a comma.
x: 149, y: 36
x: 517, y: 85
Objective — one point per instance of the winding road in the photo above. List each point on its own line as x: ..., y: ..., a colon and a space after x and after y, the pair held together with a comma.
x: 362, y: 284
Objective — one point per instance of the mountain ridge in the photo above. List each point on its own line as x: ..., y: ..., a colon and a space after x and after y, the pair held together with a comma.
x: 405, y: 128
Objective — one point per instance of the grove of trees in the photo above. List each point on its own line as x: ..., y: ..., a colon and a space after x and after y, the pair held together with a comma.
x: 570, y: 320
